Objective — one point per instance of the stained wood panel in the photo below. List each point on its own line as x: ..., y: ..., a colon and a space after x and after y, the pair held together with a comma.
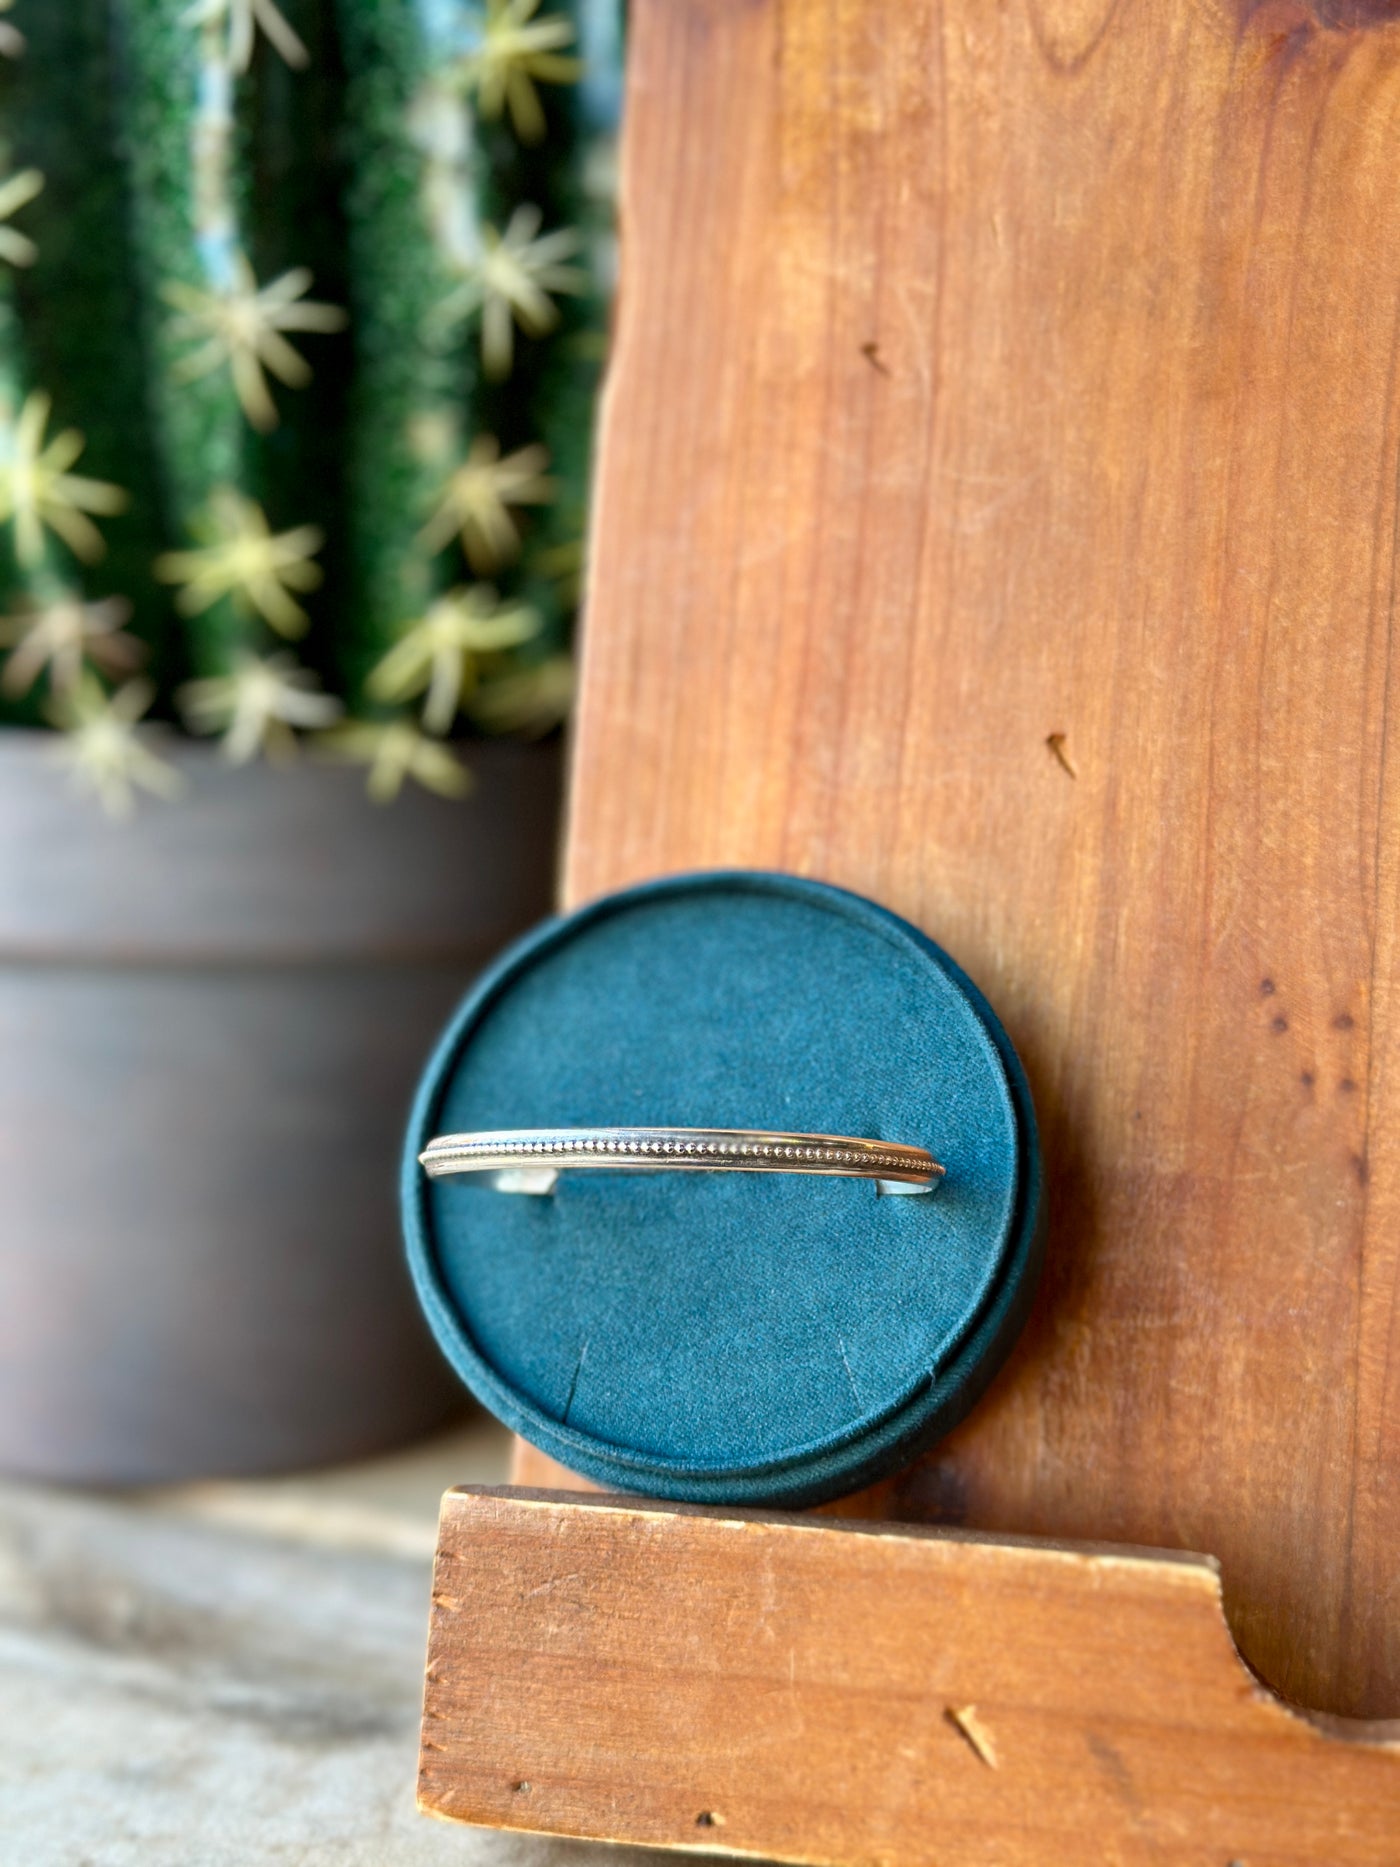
x: 997, y: 514
x: 772, y: 1685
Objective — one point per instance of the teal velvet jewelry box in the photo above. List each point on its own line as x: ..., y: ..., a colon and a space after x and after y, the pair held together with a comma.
x: 729, y: 1337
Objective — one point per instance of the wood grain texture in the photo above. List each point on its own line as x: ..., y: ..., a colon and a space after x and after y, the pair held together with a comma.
x: 997, y: 514
x: 780, y: 1686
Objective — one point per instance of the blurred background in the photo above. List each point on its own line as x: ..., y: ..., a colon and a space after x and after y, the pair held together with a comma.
x: 304, y: 307
x: 303, y: 312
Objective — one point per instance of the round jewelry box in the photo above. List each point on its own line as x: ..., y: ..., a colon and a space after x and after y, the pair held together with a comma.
x: 729, y: 1337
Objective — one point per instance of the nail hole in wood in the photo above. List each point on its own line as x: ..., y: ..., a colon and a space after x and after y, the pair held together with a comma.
x: 1056, y: 745
x: 969, y: 1726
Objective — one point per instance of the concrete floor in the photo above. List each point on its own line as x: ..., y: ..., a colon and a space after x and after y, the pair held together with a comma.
x: 230, y: 1673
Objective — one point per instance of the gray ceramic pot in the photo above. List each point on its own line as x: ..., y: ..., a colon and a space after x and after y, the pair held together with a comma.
x: 211, y: 1019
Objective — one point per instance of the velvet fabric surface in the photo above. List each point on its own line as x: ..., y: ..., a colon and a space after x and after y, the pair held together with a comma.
x: 729, y: 1337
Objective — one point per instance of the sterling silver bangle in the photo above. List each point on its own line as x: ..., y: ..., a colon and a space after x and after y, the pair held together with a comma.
x: 529, y: 1160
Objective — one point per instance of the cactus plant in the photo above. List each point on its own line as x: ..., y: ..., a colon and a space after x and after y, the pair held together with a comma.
x: 302, y: 311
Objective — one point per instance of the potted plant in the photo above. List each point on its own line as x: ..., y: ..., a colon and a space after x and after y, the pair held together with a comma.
x: 302, y: 313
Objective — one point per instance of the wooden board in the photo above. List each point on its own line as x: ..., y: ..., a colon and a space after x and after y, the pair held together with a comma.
x: 775, y: 1685
x: 997, y: 514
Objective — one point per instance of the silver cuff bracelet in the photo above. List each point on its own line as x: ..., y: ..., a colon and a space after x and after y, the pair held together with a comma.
x: 529, y: 1160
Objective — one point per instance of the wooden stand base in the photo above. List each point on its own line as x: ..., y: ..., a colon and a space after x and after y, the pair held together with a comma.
x: 816, y: 1690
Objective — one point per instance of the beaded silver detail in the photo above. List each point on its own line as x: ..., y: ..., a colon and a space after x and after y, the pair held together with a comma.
x: 718, y: 1150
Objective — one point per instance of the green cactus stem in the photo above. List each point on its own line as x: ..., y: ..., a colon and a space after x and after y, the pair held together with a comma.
x: 414, y: 222
x: 74, y: 293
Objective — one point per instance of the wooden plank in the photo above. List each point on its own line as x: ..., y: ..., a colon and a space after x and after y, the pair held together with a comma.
x: 779, y: 1686
x: 997, y: 514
